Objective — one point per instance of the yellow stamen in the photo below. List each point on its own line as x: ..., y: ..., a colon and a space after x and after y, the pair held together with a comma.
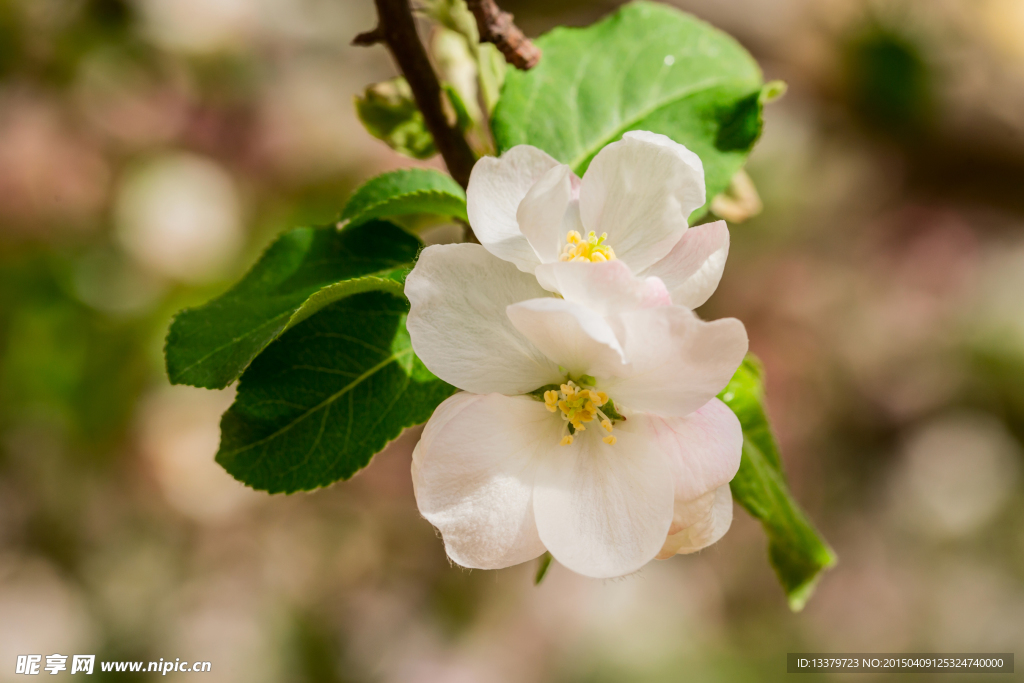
x: 566, y: 440
x: 610, y: 440
x: 578, y: 404
x: 551, y: 400
x: 591, y: 248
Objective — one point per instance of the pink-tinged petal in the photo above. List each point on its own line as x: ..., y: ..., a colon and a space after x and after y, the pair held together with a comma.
x: 703, y: 452
x: 473, y: 472
x: 497, y: 186
x: 606, y: 288
x: 571, y: 335
x: 703, y: 448
x: 604, y: 510
x: 708, y: 529
x: 458, y: 294
x: 641, y: 191
x: 542, y: 213
x: 678, y: 362
x: 693, y: 269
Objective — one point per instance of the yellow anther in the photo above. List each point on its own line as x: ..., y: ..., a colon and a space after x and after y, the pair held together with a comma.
x: 551, y: 400
x: 589, y: 248
x: 566, y: 440
x: 610, y: 440
x: 578, y: 404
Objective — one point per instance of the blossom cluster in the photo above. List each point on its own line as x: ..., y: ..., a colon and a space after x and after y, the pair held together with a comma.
x: 588, y: 424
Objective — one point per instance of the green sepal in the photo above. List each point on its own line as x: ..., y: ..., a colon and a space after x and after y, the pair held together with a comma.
x: 543, y: 564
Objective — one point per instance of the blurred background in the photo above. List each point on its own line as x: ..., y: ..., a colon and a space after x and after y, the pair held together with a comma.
x: 150, y: 149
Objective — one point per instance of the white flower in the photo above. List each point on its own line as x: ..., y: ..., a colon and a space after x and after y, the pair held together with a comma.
x: 630, y: 209
x: 644, y: 470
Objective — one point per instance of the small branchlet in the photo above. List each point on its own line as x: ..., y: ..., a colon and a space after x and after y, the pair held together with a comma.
x: 396, y: 29
x: 369, y: 38
x: 496, y: 26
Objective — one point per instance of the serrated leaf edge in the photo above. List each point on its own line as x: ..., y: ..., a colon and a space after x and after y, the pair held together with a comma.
x: 363, y: 215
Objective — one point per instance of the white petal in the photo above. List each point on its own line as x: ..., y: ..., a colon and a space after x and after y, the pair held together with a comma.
x: 703, y: 451
x: 703, y: 448
x: 542, y: 212
x: 603, y: 510
x: 571, y: 335
x: 473, y: 473
x: 641, y: 190
x: 693, y: 269
x: 458, y: 326
x: 608, y: 287
x: 707, y: 530
x: 679, y: 362
x: 496, y: 188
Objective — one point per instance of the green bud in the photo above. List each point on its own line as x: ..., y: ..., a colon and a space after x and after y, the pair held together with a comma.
x: 389, y: 113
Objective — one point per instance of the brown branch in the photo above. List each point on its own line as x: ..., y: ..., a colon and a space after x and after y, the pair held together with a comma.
x: 397, y: 29
x: 495, y: 26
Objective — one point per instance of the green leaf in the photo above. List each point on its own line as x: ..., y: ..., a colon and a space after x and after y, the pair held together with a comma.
x: 795, y: 549
x: 320, y: 401
x: 389, y: 113
x: 406, y: 192
x: 646, y: 67
x: 211, y: 345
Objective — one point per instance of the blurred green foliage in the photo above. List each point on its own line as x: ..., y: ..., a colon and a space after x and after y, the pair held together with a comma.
x: 62, y: 362
x: 890, y: 82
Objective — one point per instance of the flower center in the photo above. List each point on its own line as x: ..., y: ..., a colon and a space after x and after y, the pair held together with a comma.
x: 593, y: 248
x: 578, y: 405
